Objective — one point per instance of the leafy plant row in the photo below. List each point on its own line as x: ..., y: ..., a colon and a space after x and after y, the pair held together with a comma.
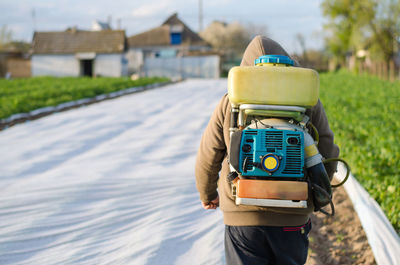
x: 364, y: 114
x: 24, y: 95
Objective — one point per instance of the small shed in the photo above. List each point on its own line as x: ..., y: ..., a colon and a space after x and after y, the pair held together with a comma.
x: 15, y: 60
x: 79, y: 53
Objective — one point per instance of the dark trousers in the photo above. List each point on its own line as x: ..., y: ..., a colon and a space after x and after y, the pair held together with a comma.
x: 247, y: 245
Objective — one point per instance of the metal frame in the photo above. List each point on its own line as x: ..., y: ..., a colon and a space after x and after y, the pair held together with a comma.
x: 243, y: 107
x: 241, y: 122
x: 271, y: 202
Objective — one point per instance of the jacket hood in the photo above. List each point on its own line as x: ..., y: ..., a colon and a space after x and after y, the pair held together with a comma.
x: 259, y: 46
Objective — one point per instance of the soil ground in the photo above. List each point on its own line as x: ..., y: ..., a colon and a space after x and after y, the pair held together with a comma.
x: 339, y: 239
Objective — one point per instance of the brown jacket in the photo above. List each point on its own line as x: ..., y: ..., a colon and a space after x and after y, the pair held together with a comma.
x: 212, y: 167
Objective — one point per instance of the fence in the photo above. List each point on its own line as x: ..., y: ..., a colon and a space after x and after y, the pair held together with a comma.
x: 387, y: 71
x: 183, y: 67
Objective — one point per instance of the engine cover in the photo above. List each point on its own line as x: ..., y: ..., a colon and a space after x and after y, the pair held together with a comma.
x: 269, y: 153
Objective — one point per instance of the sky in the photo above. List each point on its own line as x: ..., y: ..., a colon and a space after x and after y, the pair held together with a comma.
x: 283, y: 19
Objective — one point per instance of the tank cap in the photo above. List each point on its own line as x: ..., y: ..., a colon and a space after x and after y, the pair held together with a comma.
x: 281, y: 59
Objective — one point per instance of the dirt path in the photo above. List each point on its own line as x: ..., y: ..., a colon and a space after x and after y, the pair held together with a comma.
x: 339, y: 239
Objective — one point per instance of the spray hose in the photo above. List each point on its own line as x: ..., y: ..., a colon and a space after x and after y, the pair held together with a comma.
x: 347, y: 170
x: 326, y: 195
x: 316, y: 139
x: 316, y: 134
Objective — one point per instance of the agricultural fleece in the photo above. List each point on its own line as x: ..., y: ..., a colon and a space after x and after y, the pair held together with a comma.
x: 212, y: 166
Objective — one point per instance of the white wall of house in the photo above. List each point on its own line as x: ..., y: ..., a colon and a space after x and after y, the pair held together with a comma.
x: 113, y: 65
x: 137, y: 56
x: 183, y: 67
x: 55, y: 65
x: 135, y: 60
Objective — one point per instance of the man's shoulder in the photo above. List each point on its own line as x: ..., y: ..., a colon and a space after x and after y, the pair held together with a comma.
x: 224, y: 103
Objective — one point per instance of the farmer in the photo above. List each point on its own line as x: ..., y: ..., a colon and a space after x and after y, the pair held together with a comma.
x: 255, y: 235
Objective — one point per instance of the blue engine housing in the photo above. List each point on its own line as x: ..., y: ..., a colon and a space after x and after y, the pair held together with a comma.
x: 283, y: 146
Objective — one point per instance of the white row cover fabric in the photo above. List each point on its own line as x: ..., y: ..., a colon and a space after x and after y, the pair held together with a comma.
x: 383, y: 239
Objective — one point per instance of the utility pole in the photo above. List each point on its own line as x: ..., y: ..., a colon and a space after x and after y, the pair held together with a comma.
x: 109, y: 19
x: 200, y: 15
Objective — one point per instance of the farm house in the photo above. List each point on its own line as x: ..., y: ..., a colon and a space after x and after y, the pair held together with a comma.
x: 172, y: 50
x: 79, y: 53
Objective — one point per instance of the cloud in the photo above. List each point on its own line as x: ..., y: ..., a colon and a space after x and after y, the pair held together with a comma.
x: 219, y: 3
x: 148, y: 10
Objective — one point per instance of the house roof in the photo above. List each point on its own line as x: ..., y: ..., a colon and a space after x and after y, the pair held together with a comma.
x: 75, y: 41
x: 99, y: 25
x: 160, y: 36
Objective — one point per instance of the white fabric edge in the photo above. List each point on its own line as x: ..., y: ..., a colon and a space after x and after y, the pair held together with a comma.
x: 383, y: 239
x: 79, y: 102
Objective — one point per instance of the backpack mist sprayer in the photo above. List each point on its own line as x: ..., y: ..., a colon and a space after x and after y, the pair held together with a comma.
x: 274, y: 160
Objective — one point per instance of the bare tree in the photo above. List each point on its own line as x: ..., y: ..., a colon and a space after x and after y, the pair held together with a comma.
x: 231, y: 39
x: 5, y: 36
x: 302, y: 42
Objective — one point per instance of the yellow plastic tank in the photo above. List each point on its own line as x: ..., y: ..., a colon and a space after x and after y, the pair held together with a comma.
x: 272, y: 84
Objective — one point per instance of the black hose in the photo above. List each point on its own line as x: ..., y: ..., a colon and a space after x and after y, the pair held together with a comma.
x: 326, y: 194
x: 347, y: 167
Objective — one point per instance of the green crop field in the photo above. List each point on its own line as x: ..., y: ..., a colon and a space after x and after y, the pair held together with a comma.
x: 24, y: 95
x: 364, y: 114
